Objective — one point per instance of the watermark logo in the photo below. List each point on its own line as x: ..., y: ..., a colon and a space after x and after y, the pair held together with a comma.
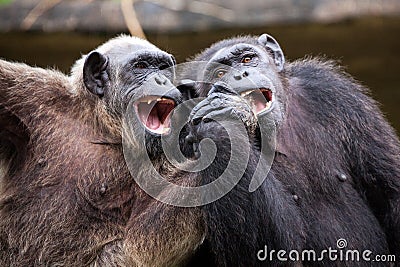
x: 153, y: 183
x: 341, y: 243
x: 340, y: 253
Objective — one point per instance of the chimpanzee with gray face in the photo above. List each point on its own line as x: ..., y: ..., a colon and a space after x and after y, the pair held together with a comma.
x: 67, y: 197
x: 336, y: 171
x: 137, y: 73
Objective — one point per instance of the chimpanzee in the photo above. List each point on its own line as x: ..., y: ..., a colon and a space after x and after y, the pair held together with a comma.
x: 335, y: 176
x: 67, y: 197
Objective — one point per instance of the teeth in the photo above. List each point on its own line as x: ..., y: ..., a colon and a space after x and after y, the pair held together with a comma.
x: 151, y: 100
x: 253, y: 97
x: 246, y: 93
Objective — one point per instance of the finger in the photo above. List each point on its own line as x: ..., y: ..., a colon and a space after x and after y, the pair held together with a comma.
x: 214, y: 101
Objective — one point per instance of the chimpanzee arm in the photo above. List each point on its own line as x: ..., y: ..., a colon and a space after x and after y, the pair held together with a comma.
x: 26, y: 91
x: 331, y: 100
x: 374, y: 157
x: 242, y: 223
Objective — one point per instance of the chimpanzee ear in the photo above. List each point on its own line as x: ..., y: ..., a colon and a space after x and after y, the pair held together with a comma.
x: 272, y: 45
x: 95, y: 76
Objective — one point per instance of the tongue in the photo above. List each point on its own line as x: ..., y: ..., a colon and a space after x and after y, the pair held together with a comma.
x: 259, y: 106
x: 152, y: 121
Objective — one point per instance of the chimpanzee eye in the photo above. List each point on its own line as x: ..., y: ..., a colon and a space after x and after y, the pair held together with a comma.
x: 220, y: 73
x: 247, y: 59
x: 141, y: 65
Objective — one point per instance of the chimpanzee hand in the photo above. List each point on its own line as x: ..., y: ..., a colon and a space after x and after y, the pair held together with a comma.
x: 223, y: 104
x: 222, y: 108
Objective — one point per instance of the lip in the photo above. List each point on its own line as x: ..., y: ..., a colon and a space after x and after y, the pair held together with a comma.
x: 260, y: 99
x: 154, y: 112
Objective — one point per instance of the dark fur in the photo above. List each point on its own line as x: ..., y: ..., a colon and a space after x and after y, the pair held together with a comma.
x: 67, y: 197
x: 330, y: 127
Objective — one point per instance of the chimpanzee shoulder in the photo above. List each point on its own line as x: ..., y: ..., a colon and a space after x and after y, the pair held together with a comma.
x: 337, y: 158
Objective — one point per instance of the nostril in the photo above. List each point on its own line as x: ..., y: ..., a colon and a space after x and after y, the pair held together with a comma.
x: 237, y: 77
x: 245, y: 74
x: 160, y: 81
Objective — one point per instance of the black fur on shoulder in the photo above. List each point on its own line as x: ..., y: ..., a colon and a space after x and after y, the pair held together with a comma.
x: 336, y: 172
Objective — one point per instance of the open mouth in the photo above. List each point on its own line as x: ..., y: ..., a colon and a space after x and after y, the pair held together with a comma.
x: 260, y: 99
x: 154, y: 113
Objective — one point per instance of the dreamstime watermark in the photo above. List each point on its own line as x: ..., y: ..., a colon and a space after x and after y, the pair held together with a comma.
x: 340, y: 253
x: 153, y: 183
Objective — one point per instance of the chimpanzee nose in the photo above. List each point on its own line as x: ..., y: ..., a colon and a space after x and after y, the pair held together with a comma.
x: 174, y: 94
x: 222, y: 88
x: 161, y: 86
x: 238, y: 77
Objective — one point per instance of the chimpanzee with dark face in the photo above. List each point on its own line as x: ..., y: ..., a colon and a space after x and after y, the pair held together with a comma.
x: 336, y: 169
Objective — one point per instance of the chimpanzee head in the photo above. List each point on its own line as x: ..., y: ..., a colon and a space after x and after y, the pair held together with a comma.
x: 251, y: 67
x: 128, y: 74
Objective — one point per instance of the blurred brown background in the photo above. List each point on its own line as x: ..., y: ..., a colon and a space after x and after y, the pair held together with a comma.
x: 363, y: 35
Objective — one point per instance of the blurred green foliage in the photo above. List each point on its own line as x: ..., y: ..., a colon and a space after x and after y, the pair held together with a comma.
x: 5, y: 2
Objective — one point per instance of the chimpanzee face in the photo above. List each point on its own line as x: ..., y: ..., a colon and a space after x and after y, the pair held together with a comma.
x: 138, y: 74
x: 147, y: 77
x: 250, y: 68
